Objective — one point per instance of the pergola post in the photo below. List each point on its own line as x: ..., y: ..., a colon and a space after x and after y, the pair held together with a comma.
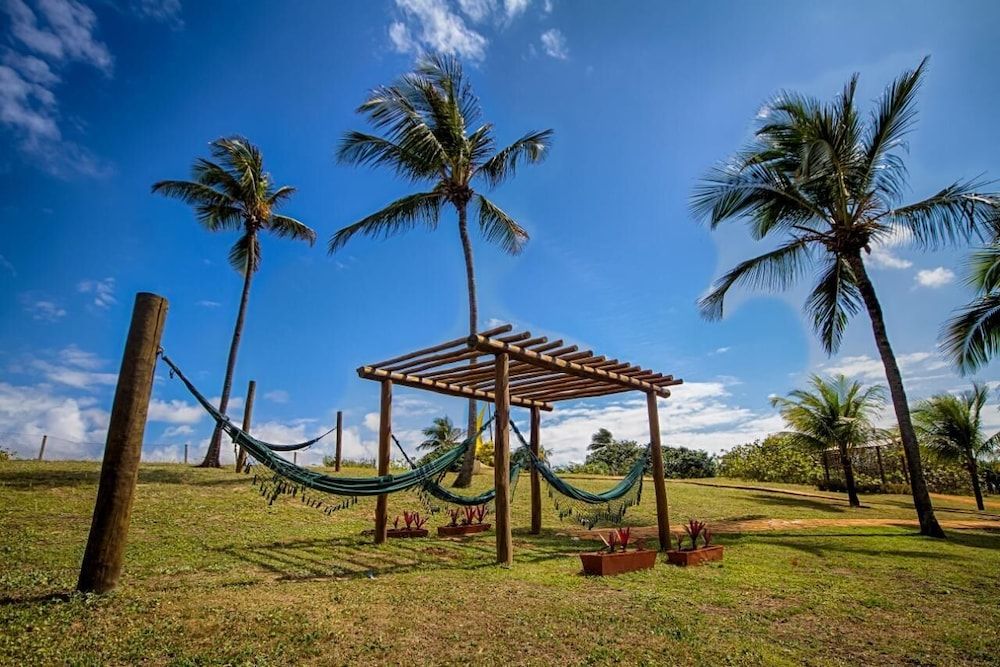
x: 659, y: 483
x: 241, y: 456
x: 536, y: 486
x: 340, y: 441
x: 501, y: 462
x: 384, y: 440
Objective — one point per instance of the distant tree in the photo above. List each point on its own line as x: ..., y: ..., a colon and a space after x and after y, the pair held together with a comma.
x: 837, y: 413
x: 430, y: 134
x: 617, y: 456
x: 440, y: 435
x: 232, y: 192
x: 972, y: 337
x: 772, y: 459
x: 601, y: 439
x: 830, y: 185
x: 684, y: 463
x: 951, y: 427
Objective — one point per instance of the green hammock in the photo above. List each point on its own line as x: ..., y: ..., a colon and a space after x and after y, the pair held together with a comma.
x: 292, y: 479
x: 588, y: 507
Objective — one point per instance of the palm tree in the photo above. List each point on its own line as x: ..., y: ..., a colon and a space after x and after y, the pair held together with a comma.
x: 232, y: 192
x: 431, y: 132
x: 972, y: 337
x: 829, y: 186
x: 951, y: 427
x: 440, y: 435
x: 600, y: 440
x: 837, y: 413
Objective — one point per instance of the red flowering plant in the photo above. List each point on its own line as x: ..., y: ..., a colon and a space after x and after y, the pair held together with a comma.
x: 453, y: 514
x: 412, y: 520
x: 695, y: 529
x: 618, y: 540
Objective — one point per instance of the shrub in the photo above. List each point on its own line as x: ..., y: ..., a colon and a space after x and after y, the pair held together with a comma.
x: 771, y: 460
x: 684, y: 463
x: 6, y: 454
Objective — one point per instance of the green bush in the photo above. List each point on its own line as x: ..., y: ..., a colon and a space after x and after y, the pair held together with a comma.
x: 770, y: 460
x: 684, y: 463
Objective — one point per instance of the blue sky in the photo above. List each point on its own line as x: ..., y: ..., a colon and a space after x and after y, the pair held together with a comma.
x: 99, y: 101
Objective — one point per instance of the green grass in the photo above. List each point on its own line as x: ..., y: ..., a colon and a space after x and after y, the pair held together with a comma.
x: 215, y: 576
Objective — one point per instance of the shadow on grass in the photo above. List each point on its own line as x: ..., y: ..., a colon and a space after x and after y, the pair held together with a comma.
x: 801, y: 502
x: 9, y: 601
x: 834, y: 543
x: 358, y: 558
x: 39, y: 478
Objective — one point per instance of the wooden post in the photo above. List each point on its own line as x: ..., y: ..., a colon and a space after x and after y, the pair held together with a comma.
x: 881, y: 468
x: 41, y: 450
x: 384, y: 441
x: 102, y: 559
x: 826, y: 467
x: 295, y: 458
x: 185, y: 453
x: 501, y: 462
x: 536, y: 486
x: 241, y: 457
x: 659, y: 483
x: 340, y: 440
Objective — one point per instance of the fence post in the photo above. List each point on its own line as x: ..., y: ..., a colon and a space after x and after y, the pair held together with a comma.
x: 340, y: 440
x: 185, y: 453
x: 41, y: 450
x: 102, y: 559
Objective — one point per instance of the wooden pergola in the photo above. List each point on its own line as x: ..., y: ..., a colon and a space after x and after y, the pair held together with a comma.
x: 517, y: 369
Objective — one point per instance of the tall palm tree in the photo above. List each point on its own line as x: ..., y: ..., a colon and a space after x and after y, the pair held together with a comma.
x: 232, y: 192
x: 951, y: 427
x: 601, y: 439
x: 431, y: 133
x: 828, y: 185
x: 972, y: 337
x: 837, y: 413
x: 441, y: 434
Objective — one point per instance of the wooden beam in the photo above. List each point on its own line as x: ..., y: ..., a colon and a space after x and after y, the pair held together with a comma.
x: 384, y: 440
x: 659, y: 483
x: 536, y: 487
x: 451, y: 356
x: 548, y: 361
x: 338, y: 452
x: 437, y: 348
x: 103, y: 556
x: 241, y: 456
x: 418, y: 382
x: 487, y: 373
x: 487, y: 366
x: 501, y: 465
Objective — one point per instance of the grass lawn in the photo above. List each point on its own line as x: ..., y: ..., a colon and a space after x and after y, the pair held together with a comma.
x: 215, y: 576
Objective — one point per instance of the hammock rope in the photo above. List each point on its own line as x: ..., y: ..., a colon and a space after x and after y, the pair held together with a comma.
x: 290, y: 479
x: 587, y: 507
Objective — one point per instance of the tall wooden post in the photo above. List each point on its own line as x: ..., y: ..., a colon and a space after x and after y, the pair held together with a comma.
x: 41, y: 450
x: 340, y: 440
x: 185, y: 453
x: 241, y: 457
x: 536, y: 486
x: 659, y: 483
x: 102, y: 559
x: 501, y: 462
x: 384, y: 440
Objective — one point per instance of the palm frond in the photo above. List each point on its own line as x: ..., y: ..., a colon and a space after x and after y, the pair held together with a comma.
x: 958, y: 213
x: 834, y: 299
x: 984, y: 269
x: 499, y: 228
x: 531, y: 148
x: 245, y: 253
x: 422, y: 208
x: 972, y: 337
x: 370, y: 150
x: 776, y: 270
x: 286, y: 227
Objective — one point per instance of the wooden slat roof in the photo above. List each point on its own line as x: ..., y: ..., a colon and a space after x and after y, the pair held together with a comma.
x: 541, y: 373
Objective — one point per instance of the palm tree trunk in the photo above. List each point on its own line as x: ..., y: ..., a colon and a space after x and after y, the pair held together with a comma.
x: 918, y: 486
x: 464, y: 478
x: 214, y: 447
x: 852, y: 487
x: 974, y: 472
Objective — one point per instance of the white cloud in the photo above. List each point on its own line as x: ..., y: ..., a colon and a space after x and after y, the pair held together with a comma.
x: 934, y: 278
x: 103, y: 291
x: 74, y: 356
x: 43, y: 310
x: 175, y: 431
x: 432, y: 25
x: 73, y: 377
x: 174, y: 412
x: 477, y: 10
x: 76, y: 428
x: 56, y: 32
x: 514, y: 8
x: 883, y: 256
x: 371, y: 421
x: 277, y: 396
x: 866, y: 368
x: 548, y: 6
x: 165, y: 11
x: 205, y: 303
x: 554, y: 44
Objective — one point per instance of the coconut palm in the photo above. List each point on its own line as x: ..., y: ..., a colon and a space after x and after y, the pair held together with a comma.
x: 600, y: 440
x: 828, y: 186
x: 431, y: 133
x: 232, y: 192
x: 440, y: 435
x: 972, y: 337
x: 837, y: 413
x: 951, y: 427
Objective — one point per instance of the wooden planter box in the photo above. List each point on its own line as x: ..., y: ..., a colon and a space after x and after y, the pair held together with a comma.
x: 470, y: 529
x: 602, y: 563
x: 685, y: 557
x: 406, y: 532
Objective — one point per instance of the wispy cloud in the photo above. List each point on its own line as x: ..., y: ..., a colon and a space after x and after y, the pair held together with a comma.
x: 41, y: 309
x: 103, y: 292
x: 431, y: 25
x: 934, y: 278
x: 277, y: 396
x: 554, y: 44
x: 164, y: 11
x: 205, y: 303
x: 883, y: 254
x: 5, y: 263
x: 864, y: 367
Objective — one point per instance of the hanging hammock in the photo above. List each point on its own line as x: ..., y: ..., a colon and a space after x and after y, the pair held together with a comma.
x: 588, y: 507
x: 291, y: 479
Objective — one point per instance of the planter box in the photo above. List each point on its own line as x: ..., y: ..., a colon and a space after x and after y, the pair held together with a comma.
x: 455, y: 531
x: 685, y: 557
x: 406, y: 532
x: 602, y: 563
